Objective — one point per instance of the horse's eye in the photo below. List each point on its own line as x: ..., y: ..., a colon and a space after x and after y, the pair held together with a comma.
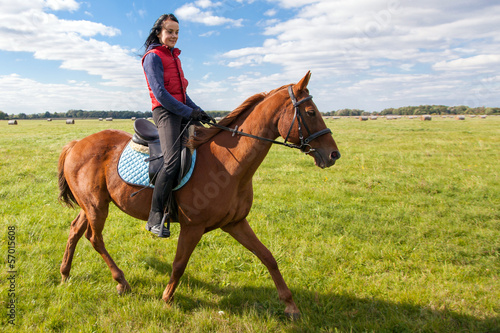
x: 310, y: 112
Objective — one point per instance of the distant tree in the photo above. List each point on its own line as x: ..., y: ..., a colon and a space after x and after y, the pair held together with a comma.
x: 3, y: 115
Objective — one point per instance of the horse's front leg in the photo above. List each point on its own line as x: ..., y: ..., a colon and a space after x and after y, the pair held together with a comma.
x: 244, y: 234
x: 189, y: 237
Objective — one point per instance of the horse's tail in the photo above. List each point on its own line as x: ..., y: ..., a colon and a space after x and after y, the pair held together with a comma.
x: 65, y: 194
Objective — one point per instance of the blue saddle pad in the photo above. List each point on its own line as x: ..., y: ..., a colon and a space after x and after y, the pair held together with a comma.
x: 133, y: 168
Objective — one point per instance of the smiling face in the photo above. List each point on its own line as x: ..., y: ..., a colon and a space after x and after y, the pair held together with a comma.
x: 169, y: 33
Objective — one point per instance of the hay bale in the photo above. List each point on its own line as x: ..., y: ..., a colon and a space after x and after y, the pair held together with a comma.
x: 100, y: 119
x: 109, y: 119
x: 133, y: 118
x: 425, y: 117
x: 49, y: 119
x: 13, y: 122
x: 373, y: 117
x: 460, y: 117
x: 70, y: 121
x: 483, y: 116
x: 363, y: 118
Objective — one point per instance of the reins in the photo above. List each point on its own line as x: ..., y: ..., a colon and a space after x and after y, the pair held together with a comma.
x: 304, y: 143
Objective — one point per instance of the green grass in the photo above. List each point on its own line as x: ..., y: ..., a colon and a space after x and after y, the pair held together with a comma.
x: 401, y: 235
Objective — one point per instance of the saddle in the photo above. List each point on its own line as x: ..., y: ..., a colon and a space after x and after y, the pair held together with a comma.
x: 146, y: 134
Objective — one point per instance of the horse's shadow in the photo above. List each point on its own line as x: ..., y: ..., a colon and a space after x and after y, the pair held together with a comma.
x: 323, y: 311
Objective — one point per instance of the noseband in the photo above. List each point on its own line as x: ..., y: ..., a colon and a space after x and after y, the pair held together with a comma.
x: 304, y: 146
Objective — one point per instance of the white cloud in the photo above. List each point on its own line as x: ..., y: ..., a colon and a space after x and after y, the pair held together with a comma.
x: 191, y: 12
x: 71, y: 42
x: 210, y: 33
x: 206, y: 4
x: 485, y: 62
x: 28, y: 28
x: 294, y: 3
x: 70, y: 5
x: 29, y: 96
x: 395, y: 39
x: 367, y: 54
x: 270, y: 12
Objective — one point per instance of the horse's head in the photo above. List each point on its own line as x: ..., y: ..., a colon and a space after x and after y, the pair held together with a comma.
x: 302, y: 124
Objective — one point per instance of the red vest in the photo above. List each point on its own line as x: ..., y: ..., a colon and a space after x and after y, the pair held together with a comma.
x: 173, y: 76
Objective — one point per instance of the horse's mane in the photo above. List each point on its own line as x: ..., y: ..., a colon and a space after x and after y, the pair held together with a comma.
x: 204, y: 134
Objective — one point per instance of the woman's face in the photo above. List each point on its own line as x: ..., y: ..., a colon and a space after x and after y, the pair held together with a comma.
x: 169, y: 33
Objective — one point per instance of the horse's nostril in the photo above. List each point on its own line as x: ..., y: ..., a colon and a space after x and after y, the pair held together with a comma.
x: 335, y: 155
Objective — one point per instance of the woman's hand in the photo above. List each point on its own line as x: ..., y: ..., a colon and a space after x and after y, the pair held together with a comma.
x: 200, y: 115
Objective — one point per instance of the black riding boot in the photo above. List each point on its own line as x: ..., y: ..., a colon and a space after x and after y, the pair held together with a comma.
x: 163, y: 187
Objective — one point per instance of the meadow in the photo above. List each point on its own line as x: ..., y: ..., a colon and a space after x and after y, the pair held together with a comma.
x: 401, y: 235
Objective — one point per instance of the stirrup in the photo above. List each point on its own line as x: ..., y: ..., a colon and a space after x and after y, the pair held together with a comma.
x: 161, y: 230
x: 164, y: 230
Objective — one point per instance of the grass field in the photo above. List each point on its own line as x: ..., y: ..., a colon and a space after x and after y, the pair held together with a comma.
x: 401, y: 235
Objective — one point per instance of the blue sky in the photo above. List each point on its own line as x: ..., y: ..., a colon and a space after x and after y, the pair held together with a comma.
x: 58, y: 55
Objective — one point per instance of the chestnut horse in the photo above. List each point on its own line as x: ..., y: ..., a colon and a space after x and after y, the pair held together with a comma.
x: 219, y: 193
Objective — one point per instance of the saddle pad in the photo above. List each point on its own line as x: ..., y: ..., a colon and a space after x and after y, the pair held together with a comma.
x: 133, y: 168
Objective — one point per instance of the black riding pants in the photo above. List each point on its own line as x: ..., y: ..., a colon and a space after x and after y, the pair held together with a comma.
x: 169, y: 129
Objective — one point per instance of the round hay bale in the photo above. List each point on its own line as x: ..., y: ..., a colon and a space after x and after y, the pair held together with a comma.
x: 100, y: 119
x: 373, y: 117
x: 109, y: 119
x: 483, y: 116
x: 133, y: 118
x: 49, y: 119
x: 425, y: 117
x: 70, y: 121
x: 13, y: 122
x: 460, y: 117
x: 363, y: 118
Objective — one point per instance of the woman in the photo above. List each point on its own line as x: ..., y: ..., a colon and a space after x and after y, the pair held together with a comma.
x: 171, y: 105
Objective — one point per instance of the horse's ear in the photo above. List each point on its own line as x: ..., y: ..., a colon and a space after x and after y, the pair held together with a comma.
x: 304, y: 82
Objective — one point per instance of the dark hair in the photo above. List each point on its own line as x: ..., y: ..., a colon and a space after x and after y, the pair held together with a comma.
x: 156, y: 29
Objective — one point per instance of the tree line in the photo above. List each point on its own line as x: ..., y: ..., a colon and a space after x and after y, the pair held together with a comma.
x: 419, y: 110
x: 402, y: 111
x: 82, y: 114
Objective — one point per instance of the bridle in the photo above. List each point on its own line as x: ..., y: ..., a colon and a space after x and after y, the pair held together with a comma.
x: 304, y: 146
x: 304, y: 143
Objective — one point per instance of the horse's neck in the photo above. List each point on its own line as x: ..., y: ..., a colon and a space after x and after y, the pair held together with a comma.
x: 247, y: 154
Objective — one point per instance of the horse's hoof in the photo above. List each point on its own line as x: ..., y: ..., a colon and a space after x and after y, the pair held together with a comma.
x: 123, y: 289
x: 293, y: 316
x: 64, y: 278
x: 168, y: 300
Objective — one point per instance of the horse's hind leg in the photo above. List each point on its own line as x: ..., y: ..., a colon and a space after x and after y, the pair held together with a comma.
x: 244, y: 234
x: 78, y: 227
x: 96, y: 219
